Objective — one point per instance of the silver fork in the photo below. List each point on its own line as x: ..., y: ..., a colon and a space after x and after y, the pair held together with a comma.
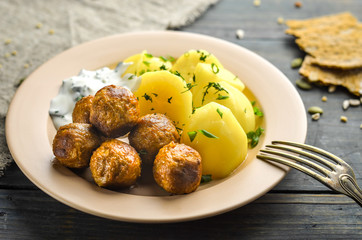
x: 335, y: 174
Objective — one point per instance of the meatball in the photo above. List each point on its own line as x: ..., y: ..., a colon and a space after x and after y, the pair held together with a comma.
x: 114, y: 111
x: 81, y: 110
x: 115, y: 164
x: 152, y: 132
x: 74, y: 144
x: 177, y: 168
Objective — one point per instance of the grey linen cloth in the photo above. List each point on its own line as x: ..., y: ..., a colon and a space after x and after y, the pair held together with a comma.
x: 31, y: 32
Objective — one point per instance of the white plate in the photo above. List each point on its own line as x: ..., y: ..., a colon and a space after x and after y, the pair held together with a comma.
x: 29, y: 131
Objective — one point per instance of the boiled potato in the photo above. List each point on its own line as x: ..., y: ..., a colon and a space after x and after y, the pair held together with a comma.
x: 227, y: 95
x: 205, y: 73
x: 226, y: 150
x: 145, y: 62
x: 185, y: 65
x: 164, y: 92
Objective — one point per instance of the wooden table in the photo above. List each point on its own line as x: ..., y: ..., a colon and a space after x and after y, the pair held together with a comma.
x: 297, y: 208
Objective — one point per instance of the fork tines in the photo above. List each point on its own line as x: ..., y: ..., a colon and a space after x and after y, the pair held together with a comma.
x: 299, y: 156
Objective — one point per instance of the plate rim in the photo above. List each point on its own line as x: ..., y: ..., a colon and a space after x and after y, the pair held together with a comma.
x: 170, y: 34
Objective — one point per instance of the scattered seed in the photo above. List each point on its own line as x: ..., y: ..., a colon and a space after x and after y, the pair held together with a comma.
x: 296, y: 63
x: 298, y: 4
x: 1, y: 65
x: 332, y: 88
x: 14, y: 53
x: 256, y: 3
x: 39, y: 25
x: 7, y: 41
x: 316, y: 116
x: 354, y: 102
x: 315, y: 109
x: 303, y: 84
x: 240, y: 33
x: 324, y: 99
x: 51, y: 31
x: 344, y: 119
x: 345, y: 104
x: 6, y: 55
x: 26, y: 65
x: 280, y: 20
x: 360, y: 126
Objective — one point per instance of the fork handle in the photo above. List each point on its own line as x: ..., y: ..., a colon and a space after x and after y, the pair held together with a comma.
x: 351, y: 187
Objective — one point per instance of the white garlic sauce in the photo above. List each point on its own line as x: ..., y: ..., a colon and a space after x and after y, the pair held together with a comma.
x: 88, y: 83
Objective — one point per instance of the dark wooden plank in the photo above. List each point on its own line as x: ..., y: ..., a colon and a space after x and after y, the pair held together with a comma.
x: 33, y: 215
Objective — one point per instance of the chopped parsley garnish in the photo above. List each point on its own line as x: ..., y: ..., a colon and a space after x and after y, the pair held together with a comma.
x: 142, y: 71
x: 219, y: 112
x: 218, y: 89
x: 221, y: 97
x: 149, y: 55
x: 168, y: 58
x: 254, y: 136
x: 206, y: 178
x: 257, y: 112
x: 207, y: 134
x: 169, y: 99
x: 131, y: 77
x: 203, y: 57
x: 155, y: 94
x: 189, y: 86
x: 214, y: 68
x: 146, y: 63
x: 147, y: 97
x: 192, y: 135
x: 194, y: 78
x: 178, y: 74
x: 163, y: 67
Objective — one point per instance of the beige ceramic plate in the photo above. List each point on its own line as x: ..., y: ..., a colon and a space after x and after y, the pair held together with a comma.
x: 29, y: 131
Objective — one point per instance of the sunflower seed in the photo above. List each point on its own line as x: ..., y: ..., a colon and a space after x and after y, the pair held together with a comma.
x: 316, y: 116
x: 354, y: 102
x: 345, y: 104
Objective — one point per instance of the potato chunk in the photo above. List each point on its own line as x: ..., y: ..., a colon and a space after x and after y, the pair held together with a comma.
x: 225, y: 94
x: 216, y: 134
x: 185, y: 65
x: 145, y: 62
x: 205, y: 72
x: 166, y: 93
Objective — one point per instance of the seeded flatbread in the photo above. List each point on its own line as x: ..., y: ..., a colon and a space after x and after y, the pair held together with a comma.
x: 334, y: 41
x: 299, y: 27
x: 351, y: 79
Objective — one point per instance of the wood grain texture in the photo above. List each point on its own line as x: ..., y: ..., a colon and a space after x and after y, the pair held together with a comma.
x: 31, y: 214
x: 297, y: 208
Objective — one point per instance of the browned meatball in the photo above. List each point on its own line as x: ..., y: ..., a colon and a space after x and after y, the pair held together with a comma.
x: 74, y: 144
x: 114, y: 111
x: 177, y: 168
x: 115, y: 164
x: 152, y: 132
x: 81, y: 110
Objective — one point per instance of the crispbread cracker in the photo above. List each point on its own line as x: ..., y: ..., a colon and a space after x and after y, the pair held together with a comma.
x: 299, y: 27
x: 334, y: 41
x: 351, y: 79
